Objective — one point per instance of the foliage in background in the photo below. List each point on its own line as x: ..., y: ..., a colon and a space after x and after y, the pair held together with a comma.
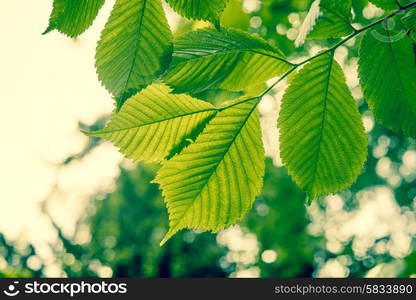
x: 278, y: 224
x: 19, y: 260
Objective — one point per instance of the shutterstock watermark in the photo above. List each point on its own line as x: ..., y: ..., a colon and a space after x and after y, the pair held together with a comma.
x: 64, y: 288
x: 392, y: 29
x: 12, y: 289
x: 190, y: 288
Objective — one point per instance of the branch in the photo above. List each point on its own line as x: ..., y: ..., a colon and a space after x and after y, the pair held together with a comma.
x: 331, y: 49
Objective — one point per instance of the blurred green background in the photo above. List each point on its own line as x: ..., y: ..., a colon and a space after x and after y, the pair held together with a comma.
x: 369, y: 230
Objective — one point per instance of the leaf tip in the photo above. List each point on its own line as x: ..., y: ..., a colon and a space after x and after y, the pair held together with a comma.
x: 167, y: 237
x: 48, y: 29
x: 308, y: 23
x: 217, y: 24
x: 309, y: 200
x: 91, y: 133
x: 122, y: 98
x: 87, y: 133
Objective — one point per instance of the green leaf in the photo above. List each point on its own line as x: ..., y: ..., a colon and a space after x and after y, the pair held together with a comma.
x: 73, y: 17
x: 199, y: 9
x: 135, y: 47
x: 409, y: 19
x: 335, y: 20
x: 154, y: 124
x: 228, y: 59
x: 213, y: 182
x: 326, y: 19
x: 388, y: 77
x: 322, y: 138
x: 390, y: 4
x: 308, y: 23
x: 385, y: 4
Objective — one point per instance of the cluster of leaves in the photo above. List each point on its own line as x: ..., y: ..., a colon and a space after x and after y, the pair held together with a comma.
x: 212, y: 157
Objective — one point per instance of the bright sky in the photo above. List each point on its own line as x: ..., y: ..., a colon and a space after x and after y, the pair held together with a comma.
x: 48, y: 83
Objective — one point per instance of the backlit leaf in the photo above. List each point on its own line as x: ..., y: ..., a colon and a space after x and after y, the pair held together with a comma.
x: 326, y: 19
x: 322, y: 140
x: 199, y: 9
x: 73, y: 17
x: 409, y: 19
x: 335, y: 20
x: 135, y: 47
x: 154, y: 124
x: 388, y: 4
x: 388, y: 78
x: 228, y: 59
x: 212, y: 183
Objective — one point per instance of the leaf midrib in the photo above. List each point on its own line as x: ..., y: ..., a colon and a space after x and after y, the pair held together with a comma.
x: 339, y: 16
x: 393, y: 54
x: 158, y: 121
x: 215, y: 169
x: 318, y: 153
x: 139, y: 35
x: 232, y: 51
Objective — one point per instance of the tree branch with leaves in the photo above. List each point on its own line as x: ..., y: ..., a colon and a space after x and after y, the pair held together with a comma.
x: 212, y: 157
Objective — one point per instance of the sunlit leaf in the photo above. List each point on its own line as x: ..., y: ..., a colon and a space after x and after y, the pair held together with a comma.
x: 386, y: 4
x: 326, y: 19
x: 322, y: 140
x: 154, y: 124
x: 308, y: 23
x: 228, y: 59
x: 409, y: 19
x: 73, y: 17
x: 199, y: 9
x: 388, y: 78
x: 212, y: 183
x: 135, y: 47
x: 335, y: 20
